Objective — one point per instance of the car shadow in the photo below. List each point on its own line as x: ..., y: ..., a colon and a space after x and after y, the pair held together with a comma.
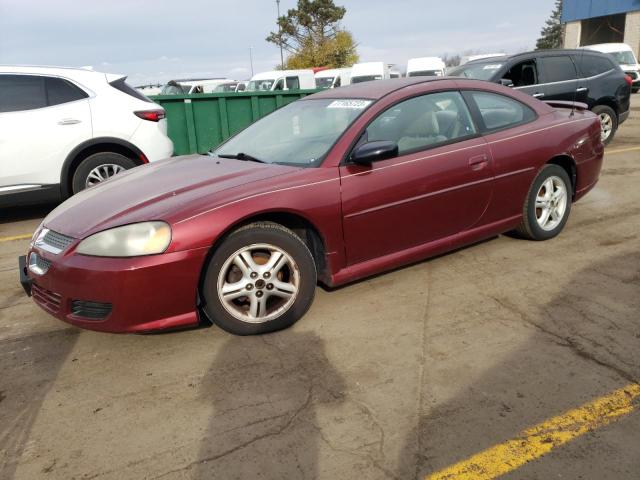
x: 29, y: 366
x: 579, y: 345
x: 264, y: 392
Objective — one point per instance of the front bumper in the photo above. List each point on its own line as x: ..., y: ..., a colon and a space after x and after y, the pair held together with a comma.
x: 155, y: 292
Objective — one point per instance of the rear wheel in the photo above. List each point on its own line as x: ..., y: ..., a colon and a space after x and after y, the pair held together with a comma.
x: 548, y: 204
x: 262, y: 278
x: 608, y: 122
x: 99, y: 167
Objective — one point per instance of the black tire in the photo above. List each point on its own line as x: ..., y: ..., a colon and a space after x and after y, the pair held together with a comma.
x: 252, y: 234
x: 96, y: 160
x: 604, y: 110
x: 529, y: 227
x: 635, y: 90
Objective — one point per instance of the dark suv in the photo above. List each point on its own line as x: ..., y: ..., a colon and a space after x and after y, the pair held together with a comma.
x: 575, y: 75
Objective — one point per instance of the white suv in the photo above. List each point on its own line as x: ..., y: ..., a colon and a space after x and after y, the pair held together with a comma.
x: 65, y: 129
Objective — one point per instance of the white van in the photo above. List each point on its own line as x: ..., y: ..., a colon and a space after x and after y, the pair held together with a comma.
x: 282, y: 80
x: 367, y: 71
x: 425, y: 67
x: 333, y: 78
x: 623, y: 55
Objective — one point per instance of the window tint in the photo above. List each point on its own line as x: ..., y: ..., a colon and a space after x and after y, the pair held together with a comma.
x: 498, y: 111
x: 422, y: 122
x: 61, y: 91
x: 591, y: 65
x: 22, y: 92
x: 293, y: 83
x: 558, y: 69
x: 523, y: 74
x: 171, y: 88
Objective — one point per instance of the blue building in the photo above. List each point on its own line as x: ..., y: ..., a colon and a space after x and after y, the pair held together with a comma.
x: 588, y: 22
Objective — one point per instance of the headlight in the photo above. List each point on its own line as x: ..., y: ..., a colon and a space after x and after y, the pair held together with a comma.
x: 133, y: 240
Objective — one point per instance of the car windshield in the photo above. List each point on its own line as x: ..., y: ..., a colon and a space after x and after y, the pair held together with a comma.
x: 260, y: 85
x: 624, y: 58
x: 299, y: 134
x: 478, y: 71
x: 324, y: 82
x: 365, y: 78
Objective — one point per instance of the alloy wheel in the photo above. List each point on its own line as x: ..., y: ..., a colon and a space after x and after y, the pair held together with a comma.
x: 606, y: 125
x: 551, y: 203
x: 258, y: 283
x: 102, y: 173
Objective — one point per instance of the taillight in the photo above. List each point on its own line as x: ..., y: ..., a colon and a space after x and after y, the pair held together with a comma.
x: 151, y: 115
x: 629, y: 80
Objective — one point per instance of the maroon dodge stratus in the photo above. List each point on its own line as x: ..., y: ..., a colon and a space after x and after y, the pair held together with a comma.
x: 332, y: 188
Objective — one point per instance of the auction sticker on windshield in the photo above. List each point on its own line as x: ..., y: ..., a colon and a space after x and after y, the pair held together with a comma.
x: 492, y: 67
x: 351, y: 104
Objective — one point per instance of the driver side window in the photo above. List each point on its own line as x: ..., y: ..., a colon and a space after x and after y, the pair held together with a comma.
x: 423, y: 122
x: 523, y: 74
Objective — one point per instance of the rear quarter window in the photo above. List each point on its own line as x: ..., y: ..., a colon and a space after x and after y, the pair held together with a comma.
x: 592, y: 65
x: 498, y: 112
x: 124, y: 87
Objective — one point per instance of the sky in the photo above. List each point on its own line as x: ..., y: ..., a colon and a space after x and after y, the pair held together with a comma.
x: 157, y: 40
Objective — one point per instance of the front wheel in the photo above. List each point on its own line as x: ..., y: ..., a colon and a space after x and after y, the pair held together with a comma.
x: 260, y: 279
x: 548, y: 204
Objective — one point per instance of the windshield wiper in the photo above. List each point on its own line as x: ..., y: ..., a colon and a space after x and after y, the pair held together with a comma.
x: 241, y: 156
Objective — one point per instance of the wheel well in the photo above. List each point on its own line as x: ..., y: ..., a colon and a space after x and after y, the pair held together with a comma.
x: 301, y: 227
x: 90, y: 150
x: 608, y: 103
x: 569, y: 165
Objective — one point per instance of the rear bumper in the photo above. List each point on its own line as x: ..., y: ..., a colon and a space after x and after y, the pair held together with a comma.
x: 150, y: 293
x: 622, y: 117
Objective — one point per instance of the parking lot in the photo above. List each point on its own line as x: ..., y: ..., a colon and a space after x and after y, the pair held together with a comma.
x: 508, y: 357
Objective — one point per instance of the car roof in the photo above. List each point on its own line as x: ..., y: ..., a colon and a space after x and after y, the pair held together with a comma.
x: 534, y: 53
x: 375, y: 89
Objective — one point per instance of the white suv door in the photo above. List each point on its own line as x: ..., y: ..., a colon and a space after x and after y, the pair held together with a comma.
x: 42, y: 119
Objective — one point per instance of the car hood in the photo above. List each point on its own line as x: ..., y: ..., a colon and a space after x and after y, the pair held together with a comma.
x: 158, y: 191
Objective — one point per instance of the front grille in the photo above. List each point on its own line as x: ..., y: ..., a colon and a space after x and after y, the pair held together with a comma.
x: 90, y: 310
x: 47, y: 299
x: 56, y: 240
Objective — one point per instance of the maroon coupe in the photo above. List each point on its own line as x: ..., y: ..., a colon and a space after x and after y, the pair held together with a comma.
x: 332, y: 188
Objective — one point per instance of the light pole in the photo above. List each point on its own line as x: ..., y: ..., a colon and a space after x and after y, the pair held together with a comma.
x: 251, y: 59
x: 280, y: 35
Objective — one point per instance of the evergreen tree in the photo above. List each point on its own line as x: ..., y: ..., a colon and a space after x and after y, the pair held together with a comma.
x: 551, y: 36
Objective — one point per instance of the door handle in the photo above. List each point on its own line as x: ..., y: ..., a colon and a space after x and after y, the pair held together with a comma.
x: 478, y: 162
x: 582, y: 89
x: 69, y: 121
x: 538, y: 95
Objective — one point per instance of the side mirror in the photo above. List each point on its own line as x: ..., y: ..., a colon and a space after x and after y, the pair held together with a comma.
x: 368, y: 153
x: 506, y: 82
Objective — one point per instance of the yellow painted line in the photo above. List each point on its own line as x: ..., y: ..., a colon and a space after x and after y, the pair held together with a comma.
x: 16, y: 237
x: 622, y: 150
x: 539, y: 440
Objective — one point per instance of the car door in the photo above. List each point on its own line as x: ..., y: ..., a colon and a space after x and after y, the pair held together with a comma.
x: 438, y: 185
x: 41, y: 120
x: 559, y: 78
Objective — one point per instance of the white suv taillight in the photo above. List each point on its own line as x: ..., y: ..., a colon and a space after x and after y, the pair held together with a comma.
x: 151, y: 115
